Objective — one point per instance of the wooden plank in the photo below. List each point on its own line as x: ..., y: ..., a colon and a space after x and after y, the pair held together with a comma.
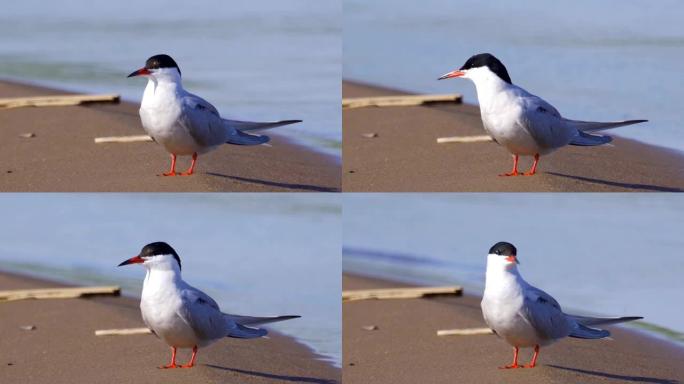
x: 465, y: 139
x: 400, y: 101
x: 401, y: 293
x: 123, y: 332
x: 56, y: 100
x: 465, y: 332
x: 122, y: 139
x: 58, y: 293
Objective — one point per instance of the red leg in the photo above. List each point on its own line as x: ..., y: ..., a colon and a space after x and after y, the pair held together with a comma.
x: 533, y: 363
x: 172, y: 172
x: 514, y: 172
x: 173, y: 360
x: 515, y: 361
x: 533, y: 170
x: 192, y: 166
x: 192, y: 359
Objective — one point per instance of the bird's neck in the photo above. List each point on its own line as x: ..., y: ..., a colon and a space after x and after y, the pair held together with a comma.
x: 163, y: 86
x: 161, y: 276
x: 502, y: 280
x: 489, y: 86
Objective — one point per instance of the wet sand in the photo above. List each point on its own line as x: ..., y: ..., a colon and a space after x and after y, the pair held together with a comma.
x: 406, y: 157
x: 64, y: 349
x: 406, y: 349
x: 63, y: 156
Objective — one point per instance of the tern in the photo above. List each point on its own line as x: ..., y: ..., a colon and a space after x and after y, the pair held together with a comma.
x: 524, y: 123
x: 186, y: 124
x: 184, y: 316
x: 526, y: 316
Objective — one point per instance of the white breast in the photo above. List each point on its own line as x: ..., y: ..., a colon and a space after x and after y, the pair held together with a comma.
x: 160, y: 111
x: 159, y: 305
x: 502, y: 305
x: 502, y: 117
x: 503, y: 316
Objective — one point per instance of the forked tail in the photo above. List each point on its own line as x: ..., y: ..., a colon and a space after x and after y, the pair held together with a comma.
x: 583, y: 330
x: 242, y: 331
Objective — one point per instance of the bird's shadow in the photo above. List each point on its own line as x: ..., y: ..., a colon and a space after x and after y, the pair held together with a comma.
x: 303, y: 187
x: 294, y: 379
x: 641, y: 187
x: 625, y: 378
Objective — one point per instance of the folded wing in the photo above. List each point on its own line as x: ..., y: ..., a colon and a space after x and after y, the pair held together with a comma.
x: 204, y: 123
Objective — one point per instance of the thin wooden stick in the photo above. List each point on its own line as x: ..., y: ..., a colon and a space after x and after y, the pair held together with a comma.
x: 122, y: 139
x: 465, y: 139
x: 465, y: 332
x: 56, y: 100
x: 401, y: 293
x: 400, y: 101
x: 123, y: 332
x: 58, y: 293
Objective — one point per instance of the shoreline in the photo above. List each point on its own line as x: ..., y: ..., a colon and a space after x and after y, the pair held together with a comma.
x: 395, y: 91
x: 63, y: 157
x: 670, y: 336
x: 78, y: 90
x: 279, y: 358
x: 129, y: 290
x: 405, y: 348
x: 404, y: 155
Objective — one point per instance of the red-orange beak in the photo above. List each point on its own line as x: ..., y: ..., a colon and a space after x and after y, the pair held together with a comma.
x: 452, y: 74
x: 512, y: 259
x: 132, y: 260
x: 139, y: 72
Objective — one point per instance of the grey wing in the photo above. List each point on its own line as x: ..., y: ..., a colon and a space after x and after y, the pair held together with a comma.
x: 544, y: 123
x: 544, y: 313
x: 203, y: 121
x: 202, y: 314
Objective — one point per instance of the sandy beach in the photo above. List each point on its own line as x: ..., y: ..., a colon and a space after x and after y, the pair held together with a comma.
x: 63, y: 348
x: 406, y: 349
x: 63, y: 156
x: 406, y: 157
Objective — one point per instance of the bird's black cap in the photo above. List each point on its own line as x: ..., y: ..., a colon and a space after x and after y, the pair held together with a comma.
x: 161, y: 61
x: 159, y: 248
x: 488, y: 60
x: 503, y: 248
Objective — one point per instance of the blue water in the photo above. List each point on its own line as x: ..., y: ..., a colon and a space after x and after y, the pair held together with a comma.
x: 605, y: 254
x: 256, y: 254
x: 258, y: 60
x: 593, y: 60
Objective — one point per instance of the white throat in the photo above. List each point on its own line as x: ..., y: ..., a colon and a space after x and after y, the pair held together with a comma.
x: 162, y: 271
x: 502, y: 277
x: 487, y: 84
x: 164, y: 82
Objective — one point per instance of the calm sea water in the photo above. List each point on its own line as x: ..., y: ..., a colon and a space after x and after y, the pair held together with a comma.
x: 255, y: 254
x: 593, y: 60
x: 257, y: 60
x: 605, y: 254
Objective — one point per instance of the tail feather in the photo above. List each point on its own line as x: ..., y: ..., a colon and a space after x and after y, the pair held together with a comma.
x: 591, y: 126
x: 252, y: 320
x: 584, y: 332
x: 240, y: 138
x: 255, y: 125
x: 587, y: 140
x: 585, y: 320
x: 242, y: 332
x: 241, y: 329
